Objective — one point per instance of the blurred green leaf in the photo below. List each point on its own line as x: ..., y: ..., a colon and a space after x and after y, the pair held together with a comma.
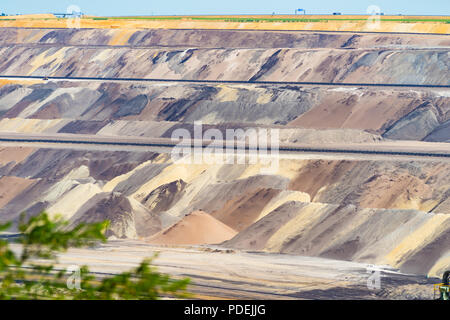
x: 42, y: 237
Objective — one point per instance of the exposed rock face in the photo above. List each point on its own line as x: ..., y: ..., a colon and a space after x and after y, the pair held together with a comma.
x: 213, y: 38
x: 112, y: 207
x: 351, y: 66
x: 350, y: 233
x: 373, y: 184
x: 127, y: 220
x: 163, y: 197
x: 416, y: 126
x: 441, y: 133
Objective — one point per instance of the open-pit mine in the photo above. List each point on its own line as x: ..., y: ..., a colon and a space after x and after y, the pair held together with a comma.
x: 362, y: 181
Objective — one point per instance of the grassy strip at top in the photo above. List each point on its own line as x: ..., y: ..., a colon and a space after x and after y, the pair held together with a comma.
x: 242, y: 19
x: 140, y: 18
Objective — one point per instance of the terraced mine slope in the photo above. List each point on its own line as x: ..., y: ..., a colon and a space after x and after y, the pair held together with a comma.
x: 385, y: 210
x: 348, y: 114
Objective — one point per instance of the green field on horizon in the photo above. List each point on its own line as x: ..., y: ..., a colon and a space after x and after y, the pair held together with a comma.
x: 249, y: 19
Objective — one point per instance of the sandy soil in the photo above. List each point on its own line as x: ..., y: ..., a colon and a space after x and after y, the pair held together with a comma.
x: 239, y: 197
x: 10, y: 187
x: 226, y: 274
x: 16, y: 155
x: 186, y: 23
x: 196, y: 228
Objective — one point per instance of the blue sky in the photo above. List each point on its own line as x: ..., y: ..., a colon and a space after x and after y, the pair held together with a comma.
x: 189, y: 7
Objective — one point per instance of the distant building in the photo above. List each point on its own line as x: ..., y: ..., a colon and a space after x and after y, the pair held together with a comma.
x: 69, y: 15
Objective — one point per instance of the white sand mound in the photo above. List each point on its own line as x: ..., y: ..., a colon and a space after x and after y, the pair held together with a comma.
x: 71, y: 201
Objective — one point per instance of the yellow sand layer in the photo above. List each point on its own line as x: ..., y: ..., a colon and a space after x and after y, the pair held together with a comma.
x: 283, y: 197
x: 417, y: 239
x: 70, y: 202
x: 297, y: 226
x: 28, y: 125
x: 227, y: 94
x: 343, y: 24
x: 186, y: 172
x: 442, y: 265
x: 121, y: 38
x: 45, y: 59
x: 287, y: 168
x: 4, y: 82
x: 110, y: 185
